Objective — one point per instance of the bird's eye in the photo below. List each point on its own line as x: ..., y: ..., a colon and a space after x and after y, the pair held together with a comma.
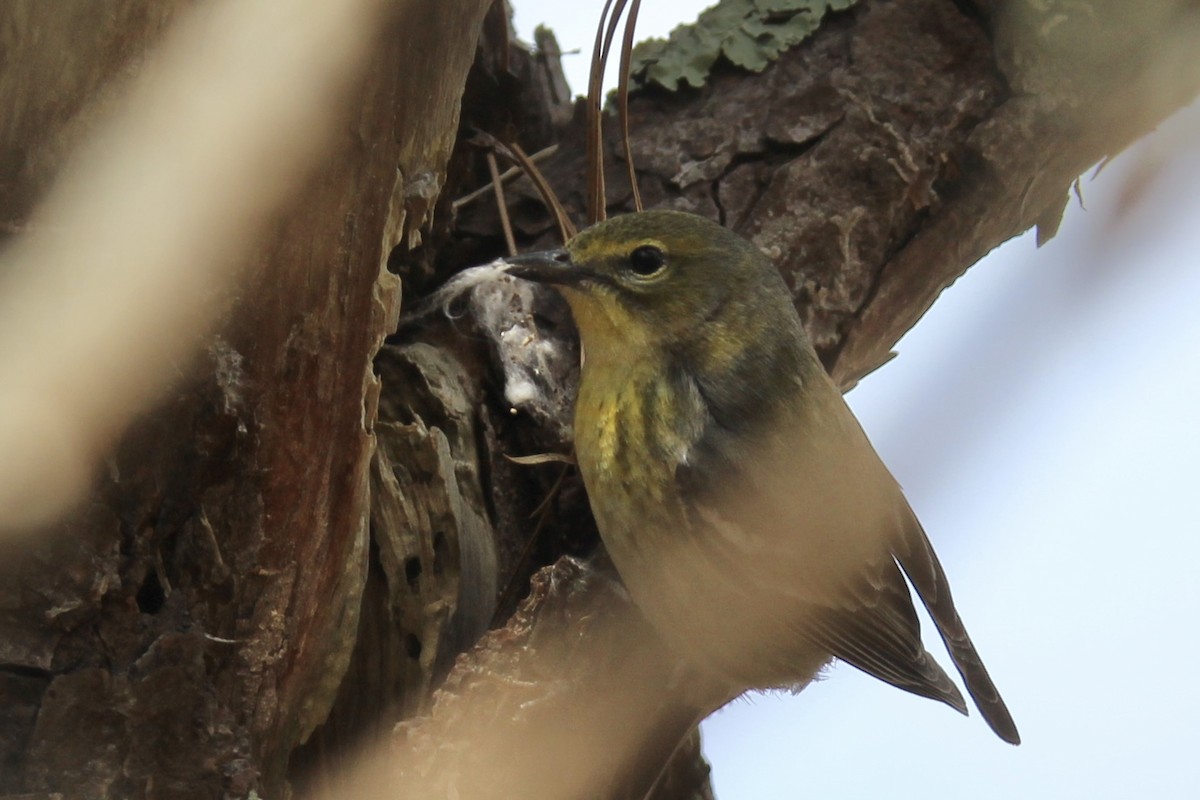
x: 647, y: 260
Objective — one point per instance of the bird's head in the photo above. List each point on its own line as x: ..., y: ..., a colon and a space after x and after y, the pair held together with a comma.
x: 654, y: 277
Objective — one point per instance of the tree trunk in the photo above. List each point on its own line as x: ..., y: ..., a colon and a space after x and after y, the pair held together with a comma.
x: 289, y: 553
x: 191, y: 625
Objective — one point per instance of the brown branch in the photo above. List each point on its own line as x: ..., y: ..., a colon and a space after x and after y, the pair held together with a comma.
x: 574, y: 697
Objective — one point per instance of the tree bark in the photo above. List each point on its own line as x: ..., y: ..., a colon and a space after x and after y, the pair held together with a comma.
x: 255, y: 586
x: 875, y: 163
x: 190, y: 627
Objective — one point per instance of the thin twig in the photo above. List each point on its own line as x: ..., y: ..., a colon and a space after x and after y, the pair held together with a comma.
x: 623, y: 99
x: 505, y: 177
x: 542, y: 512
x: 515, y: 154
x: 566, y: 228
x: 544, y: 507
x: 501, y: 204
x: 595, y: 150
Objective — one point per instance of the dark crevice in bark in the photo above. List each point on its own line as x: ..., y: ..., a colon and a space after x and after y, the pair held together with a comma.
x: 977, y: 13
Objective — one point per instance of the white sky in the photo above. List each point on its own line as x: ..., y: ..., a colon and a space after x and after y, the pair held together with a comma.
x: 1042, y: 420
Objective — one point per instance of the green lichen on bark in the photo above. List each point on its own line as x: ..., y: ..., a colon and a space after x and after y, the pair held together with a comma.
x: 749, y: 33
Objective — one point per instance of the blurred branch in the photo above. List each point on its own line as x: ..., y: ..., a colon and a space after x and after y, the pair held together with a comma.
x: 575, y: 697
x: 1081, y: 87
x: 123, y: 269
x: 189, y: 625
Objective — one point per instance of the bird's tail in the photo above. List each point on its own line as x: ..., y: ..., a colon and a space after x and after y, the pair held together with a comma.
x: 925, y: 572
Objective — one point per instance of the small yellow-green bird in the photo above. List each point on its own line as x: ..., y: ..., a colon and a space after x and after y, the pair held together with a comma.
x: 743, y: 506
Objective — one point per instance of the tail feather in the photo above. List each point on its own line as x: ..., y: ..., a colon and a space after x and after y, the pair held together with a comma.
x: 923, y: 569
x: 937, y: 685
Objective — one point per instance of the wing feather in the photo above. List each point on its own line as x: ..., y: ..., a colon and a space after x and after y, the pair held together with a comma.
x: 865, y: 615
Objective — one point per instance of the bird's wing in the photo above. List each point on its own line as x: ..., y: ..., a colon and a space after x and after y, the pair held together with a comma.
x: 872, y: 625
x: 861, y: 613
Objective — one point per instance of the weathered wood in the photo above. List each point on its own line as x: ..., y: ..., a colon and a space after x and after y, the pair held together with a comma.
x: 191, y: 627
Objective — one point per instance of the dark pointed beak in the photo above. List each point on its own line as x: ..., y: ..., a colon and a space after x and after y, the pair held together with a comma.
x: 548, y: 266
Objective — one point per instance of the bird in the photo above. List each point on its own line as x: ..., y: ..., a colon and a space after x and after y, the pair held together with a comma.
x: 743, y: 506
